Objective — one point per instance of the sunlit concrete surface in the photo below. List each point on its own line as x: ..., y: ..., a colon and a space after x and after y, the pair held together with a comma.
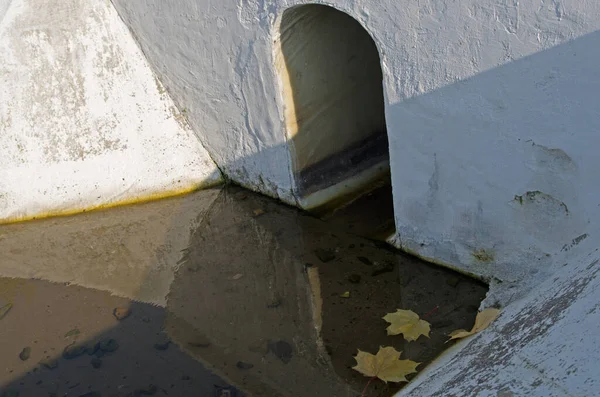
x: 84, y: 123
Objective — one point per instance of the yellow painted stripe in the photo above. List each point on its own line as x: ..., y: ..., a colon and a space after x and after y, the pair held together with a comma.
x: 134, y: 200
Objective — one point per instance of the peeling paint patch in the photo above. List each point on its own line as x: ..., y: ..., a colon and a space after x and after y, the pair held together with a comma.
x: 542, y: 200
x: 574, y: 242
x: 159, y: 87
x: 530, y: 323
x: 180, y: 117
x: 553, y: 159
x: 483, y: 255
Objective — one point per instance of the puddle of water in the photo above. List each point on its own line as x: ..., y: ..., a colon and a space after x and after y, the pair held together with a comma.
x: 247, y: 290
x: 47, y: 317
x: 371, y: 215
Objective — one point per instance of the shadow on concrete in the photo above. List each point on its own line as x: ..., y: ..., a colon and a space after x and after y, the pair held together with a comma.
x: 517, y: 177
x: 242, y: 298
x: 253, y: 300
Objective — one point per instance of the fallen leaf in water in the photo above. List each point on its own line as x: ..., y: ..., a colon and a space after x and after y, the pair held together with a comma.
x: 407, y: 323
x: 482, y: 321
x: 4, y: 310
x: 345, y: 294
x: 385, y: 365
x: 237, y: 276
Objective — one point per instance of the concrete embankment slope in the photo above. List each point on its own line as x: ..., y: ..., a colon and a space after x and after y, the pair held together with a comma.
x: 84, y: 123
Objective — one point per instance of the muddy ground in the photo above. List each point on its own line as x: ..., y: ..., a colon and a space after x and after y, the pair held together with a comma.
x: 229, y: 292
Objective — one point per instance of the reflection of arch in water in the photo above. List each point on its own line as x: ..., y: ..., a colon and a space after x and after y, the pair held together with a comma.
x: 332, y: 89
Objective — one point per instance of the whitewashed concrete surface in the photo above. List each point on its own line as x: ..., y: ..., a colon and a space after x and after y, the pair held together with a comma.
x: 492, y: 117
x: 545, y: 345
x: 83, y: 121
x: 489, y: 110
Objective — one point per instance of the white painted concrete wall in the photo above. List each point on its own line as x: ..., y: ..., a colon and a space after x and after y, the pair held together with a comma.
x: 492, y: 117
x: 83, y: 121
x: 216, y: 60
x: 485, y: 102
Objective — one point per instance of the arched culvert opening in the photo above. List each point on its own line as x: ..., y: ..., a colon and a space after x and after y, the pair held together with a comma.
x: 332, y: 86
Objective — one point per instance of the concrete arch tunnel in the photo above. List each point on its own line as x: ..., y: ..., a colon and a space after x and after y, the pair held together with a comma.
x: 332, y: 88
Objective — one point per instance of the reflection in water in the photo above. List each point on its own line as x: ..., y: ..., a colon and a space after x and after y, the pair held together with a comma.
x: 130, y: 251
x: 247, y: 287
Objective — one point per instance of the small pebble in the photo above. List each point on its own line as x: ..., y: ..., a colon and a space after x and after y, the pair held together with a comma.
x: 275, y: 302
x: 49, y: 363
x: 383, y: 268
x: 96, y: 362
x: 73, y: 332
x: 148, y: 391
x: 25, y: 353
x: 199, y: 341
x: 162, y: 345
x: 109, y: 346
x: 243, y: 365
x: 260, y: 347
x: 73, y: 351
x: 237, y: 276
x: 365, y: 260
x: 121, y: 313
x: 453, y: 281
x: 92, y: 348
x: 354, y: 278
x: 324, y: 255
x: 282, y: 350
x: 227, y: 391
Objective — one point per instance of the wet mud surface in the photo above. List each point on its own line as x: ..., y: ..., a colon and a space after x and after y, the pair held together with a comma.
x: 219, y: 293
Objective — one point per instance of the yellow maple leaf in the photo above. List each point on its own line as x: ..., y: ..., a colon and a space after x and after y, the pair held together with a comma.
x: 407, y: 323
x: 385, y: 365
x: 482, y: 321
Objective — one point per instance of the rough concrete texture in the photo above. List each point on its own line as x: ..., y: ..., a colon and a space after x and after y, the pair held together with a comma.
x: 487, y: 108
x: 544, y: 345
x: 491, y: 114
x: 84, y: 123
